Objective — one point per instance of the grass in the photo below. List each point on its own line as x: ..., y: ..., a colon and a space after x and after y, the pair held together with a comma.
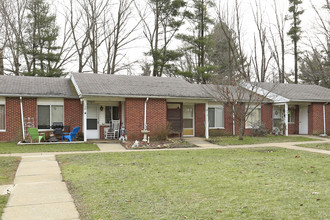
x: 11, y: 147
x: 233, y: 140
x: 325, y: 146
x: 8, y: 167
x: 259, y: 183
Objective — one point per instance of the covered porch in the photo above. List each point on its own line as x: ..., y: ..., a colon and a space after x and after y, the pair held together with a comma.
x: 98, y: 114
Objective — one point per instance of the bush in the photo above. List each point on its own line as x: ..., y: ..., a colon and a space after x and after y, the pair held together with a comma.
x: 259, y: 130
x: 80, y: 136
x: 161, y: 134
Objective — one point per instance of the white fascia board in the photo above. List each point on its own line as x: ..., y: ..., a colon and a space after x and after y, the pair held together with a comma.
x: 76, y: 86
x: 268, y: 94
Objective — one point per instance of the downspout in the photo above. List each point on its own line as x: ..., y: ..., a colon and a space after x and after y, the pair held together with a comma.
x: 145, y: 114
x: 22, y: 116
x: 286, y: 119
x: 324, y: 121
x: 233, y: 122
x: 85, y: 119
x: 206, y: 120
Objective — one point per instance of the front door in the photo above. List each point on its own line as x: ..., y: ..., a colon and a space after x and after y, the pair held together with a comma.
x: 188, y: 120
x: 303, y: 119
x: 92, y: 122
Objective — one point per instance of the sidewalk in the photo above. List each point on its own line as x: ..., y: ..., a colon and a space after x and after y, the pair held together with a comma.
x: 39, y: 192
x: 288, y: 145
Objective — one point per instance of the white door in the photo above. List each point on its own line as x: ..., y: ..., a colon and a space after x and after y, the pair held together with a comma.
x: 92, y: 122
x: 303, y: 119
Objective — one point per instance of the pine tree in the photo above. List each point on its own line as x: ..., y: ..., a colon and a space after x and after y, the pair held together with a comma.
x: 41, y: 33
x: 295, y: 32
x: 197, y: 68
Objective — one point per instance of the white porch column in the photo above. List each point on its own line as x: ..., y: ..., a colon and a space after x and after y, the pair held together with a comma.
x: 85, y: 119
x: 286, y: 119
x: 206, y: 120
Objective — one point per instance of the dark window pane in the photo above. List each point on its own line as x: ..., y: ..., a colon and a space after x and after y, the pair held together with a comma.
x: 92, y: 124
x: 115, y: 112
x: 211, y: 117
x: 107, y: 114
x: 2, y: 117
x: 43, y: 116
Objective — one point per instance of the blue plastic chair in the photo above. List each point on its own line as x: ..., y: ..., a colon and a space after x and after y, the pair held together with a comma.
x: 71, y: 135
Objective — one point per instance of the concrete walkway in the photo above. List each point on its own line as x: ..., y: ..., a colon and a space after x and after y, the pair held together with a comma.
x: 39, y: 192
x: 288, y: 145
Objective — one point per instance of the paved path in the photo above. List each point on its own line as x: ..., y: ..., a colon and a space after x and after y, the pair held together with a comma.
x: 288, y: 145
x: 39, y: 192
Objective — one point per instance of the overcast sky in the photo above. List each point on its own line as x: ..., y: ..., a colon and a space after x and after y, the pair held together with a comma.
x: 137, y: 48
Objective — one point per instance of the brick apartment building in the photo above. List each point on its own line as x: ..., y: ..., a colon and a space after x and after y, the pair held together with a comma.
x: 92, y: 101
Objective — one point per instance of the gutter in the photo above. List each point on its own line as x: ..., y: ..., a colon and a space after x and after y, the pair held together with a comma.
x: 76, y: 86
x: 22, y: 117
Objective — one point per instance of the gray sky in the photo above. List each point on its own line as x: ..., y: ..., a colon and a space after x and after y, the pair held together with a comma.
x: 136, y: 49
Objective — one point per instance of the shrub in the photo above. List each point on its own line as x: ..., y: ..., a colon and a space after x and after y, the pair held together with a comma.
x: 259, y: 130
x: 80, y: 136
x: 162, y: 133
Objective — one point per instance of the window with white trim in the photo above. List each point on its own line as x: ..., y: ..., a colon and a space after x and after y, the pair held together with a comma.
x: 2, y: 117
x: 254, y: 117
x: 48, y: 114
x: 216, y: 116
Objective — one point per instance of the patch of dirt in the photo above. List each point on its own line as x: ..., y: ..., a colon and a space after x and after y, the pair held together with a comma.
x: 170, y: 143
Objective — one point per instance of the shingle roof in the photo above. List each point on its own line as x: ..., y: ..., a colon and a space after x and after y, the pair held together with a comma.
x: 137, y: 86
x: 298, y: 92
x: 29, y: 86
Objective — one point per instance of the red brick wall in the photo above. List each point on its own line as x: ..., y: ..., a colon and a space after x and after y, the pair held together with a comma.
x: 294, y: 127
x: 134, y: 116
x: 73, y: 113
x: 13, y: 118
x: 327, y: 118
x: 200, y: 120
x: 267, y: 116
x: 315, y: 118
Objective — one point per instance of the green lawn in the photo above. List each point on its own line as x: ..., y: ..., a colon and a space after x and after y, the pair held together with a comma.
x: 325, y: 146
x: 11, y: 147
x: 8, y: 167
x: 233, y: 140
x: 258, y: 183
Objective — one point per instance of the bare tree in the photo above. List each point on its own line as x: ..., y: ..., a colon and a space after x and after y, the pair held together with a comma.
x: 260, y: 61
x: 12, y: 15
x: 278, y: 42
x: 243, y: 99
x: 118, y: 34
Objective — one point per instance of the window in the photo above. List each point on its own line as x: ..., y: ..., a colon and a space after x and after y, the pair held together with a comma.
x: 48, y: 114
x: 2, y: 117
x: 291, y: 115
x: 254, y: 118
x: 216, y: 117
x: 111, y: 115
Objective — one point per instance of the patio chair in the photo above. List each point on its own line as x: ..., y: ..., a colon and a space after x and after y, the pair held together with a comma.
x: 35, y: 135
x: 71, y: 135
x: 113, y: 132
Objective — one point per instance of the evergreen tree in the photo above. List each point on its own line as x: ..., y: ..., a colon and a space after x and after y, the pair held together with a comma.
x: 295, y: 32
x: 41, y: 34
x: 196, y: 67
x: 167, y: 16
x: 222, y: 52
